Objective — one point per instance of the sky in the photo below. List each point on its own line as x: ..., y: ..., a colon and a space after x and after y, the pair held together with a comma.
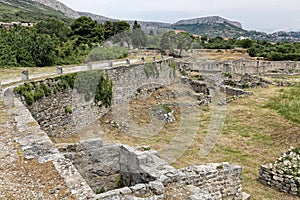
x: 261, y: 15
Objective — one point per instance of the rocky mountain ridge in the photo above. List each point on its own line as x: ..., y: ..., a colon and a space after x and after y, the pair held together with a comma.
x: 210, y: 26
x: 56, y: 5
x: 208, y: 20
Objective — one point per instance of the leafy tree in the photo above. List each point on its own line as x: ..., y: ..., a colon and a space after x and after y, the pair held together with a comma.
x: 43, y: 51
x: 136, y: 25
x: 167, y: 41
x: 184, y: 41
x: 138, y: 38
x: 245, y: 43
x: 119, y: 27
x: 151, y: 33
x: 87, y: 31
x: 204, y: 38
x: 53, y: 27
x: 108, y: 29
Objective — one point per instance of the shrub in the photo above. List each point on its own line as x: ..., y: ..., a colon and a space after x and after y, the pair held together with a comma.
x: 29, y: 97
x: 108, y: 53
x: 68, y: 110
x: 119, y: 182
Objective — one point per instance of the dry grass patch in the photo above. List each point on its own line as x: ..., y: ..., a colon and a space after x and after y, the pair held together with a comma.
x: 253, y: 135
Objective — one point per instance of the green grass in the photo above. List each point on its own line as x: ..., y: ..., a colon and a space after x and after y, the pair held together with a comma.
x: 287, y: 104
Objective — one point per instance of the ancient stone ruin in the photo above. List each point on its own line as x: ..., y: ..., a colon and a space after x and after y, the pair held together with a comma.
x: 92, y: 169
x: 139, y: 172
x: 284, y: 174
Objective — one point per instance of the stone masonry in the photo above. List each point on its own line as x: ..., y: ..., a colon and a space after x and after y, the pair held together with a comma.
x: 122, y: 172
x: 56, y: 122
x: 143, y: 174
x: 284, y: 183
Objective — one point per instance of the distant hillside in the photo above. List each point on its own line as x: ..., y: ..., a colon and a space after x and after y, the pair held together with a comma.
x: 211, y: 29
x: 36, y: 10
x: 27, y: 11
x: 213, y: 20
x: 56, y: 5
x: 216, y: 26
x: 148, y: 25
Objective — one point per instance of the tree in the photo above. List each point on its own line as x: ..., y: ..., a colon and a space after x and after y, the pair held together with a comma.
x: 108, y: 29
x: 151, y: 33
x: 167, y: 41
x: 252, y: 52
x: 53, y: 27
x: 246, y: 43
x: 119, y: 27
x: 138, y: 38
x: 87, y: 31
x: 136, y: 25
x: 184, y: 41
x: 204, y: 38
x: 43, y: 50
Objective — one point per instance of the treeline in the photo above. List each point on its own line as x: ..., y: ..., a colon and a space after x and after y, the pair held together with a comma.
x: 276, y: 52
x: 266, y: 50
x: 52, y: 42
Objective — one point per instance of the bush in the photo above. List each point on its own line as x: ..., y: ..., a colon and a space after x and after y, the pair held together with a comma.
x: 108, y: 53
x: 38, y: 93
x: 29, y: 98
x: 68, y: 110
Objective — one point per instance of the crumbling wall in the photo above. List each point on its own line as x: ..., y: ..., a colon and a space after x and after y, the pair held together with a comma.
x: 65, y: 113
x: 284, y: 183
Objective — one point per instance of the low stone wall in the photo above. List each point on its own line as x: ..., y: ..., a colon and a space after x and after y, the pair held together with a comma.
x: 220, y: 181
x: 141, y: 173
x: 144, y: 174
x: 234, y: 91
x: 243, y: 66
x: 284, y: 183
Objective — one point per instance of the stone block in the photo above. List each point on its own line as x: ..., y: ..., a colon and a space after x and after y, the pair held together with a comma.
x: 8, y: 98
x: 25, y: 75
x: 139, y: 189
x: 157, y: 187
x: 59, y: 70
x: 89, y: 66
x: 91, y: 144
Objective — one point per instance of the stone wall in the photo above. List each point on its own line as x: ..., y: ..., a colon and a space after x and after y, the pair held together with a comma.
x: 56, y: 120
x: 144, y: 174
x: 35, y: 144
x: 66, y: 113
x: 122, y: 172
x: 284, y: 183
x: 220, y: 181
x: 129, y: 79
x: 243, y: 66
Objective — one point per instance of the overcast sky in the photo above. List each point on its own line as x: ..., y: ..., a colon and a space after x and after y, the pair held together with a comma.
x: 263, y: 15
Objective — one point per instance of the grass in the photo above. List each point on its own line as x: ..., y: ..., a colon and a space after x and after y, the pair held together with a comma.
x: 287, y: 104
x: 253, y: 135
